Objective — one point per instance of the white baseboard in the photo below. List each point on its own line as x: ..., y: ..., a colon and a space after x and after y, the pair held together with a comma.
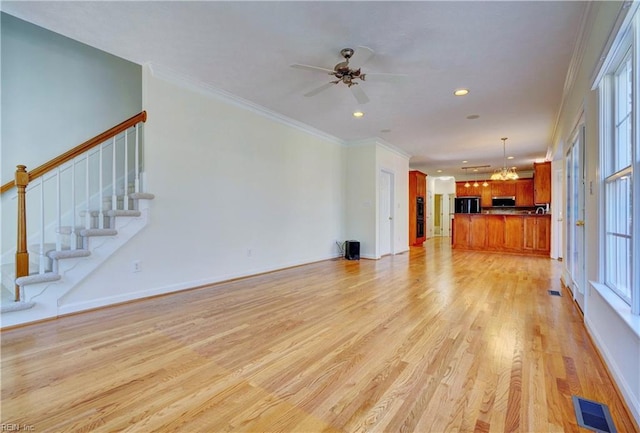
x: 630, y: 399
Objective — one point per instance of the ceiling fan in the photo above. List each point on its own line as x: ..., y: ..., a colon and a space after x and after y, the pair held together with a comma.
x: 346, y: 74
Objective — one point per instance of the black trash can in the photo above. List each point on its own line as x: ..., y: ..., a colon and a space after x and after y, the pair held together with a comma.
x: 352, y: 250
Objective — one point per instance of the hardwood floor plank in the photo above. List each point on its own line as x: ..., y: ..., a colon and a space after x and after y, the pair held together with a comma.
x: 434, y: 340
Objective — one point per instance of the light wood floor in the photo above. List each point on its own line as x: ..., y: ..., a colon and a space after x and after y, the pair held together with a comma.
x: 429, y: 341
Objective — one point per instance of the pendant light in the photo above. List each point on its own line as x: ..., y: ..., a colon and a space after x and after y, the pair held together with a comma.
x: 504, y: 173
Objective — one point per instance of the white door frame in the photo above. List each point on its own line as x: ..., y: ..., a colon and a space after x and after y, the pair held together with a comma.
x: 391, y: 216
x: 575, y: 229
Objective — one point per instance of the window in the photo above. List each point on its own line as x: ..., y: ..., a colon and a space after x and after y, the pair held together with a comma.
x: 618, y: 183
x: 619, y: 123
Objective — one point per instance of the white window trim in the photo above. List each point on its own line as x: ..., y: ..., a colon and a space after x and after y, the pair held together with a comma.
x: 624, y: 36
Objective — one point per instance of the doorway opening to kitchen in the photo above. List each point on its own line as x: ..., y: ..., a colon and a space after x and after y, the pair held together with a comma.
x: 437, y: 215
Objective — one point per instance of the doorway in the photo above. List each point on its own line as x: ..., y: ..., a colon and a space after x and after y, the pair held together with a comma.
x: 574, y: 212
x: 437, y: 215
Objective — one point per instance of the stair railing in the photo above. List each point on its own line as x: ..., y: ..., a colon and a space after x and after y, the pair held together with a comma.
x: 64, y: 169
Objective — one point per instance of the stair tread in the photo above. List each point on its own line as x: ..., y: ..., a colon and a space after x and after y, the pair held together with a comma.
x: 141, y: 196
x: 68, y: 254
x: 38, y: 278
x: 98, y: 232
x: 122, y: 212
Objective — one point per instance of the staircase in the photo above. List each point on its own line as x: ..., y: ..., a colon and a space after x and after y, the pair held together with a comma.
x: 80, y: 208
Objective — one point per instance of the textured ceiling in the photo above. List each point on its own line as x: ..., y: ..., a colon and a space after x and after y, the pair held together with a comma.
x: 512, y: 55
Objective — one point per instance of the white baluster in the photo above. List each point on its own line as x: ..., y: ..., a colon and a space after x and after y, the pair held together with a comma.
x: 114, y: 193
x: 125, y: 198
x: 137, y: 168
x: 72, y: 236
x: 87, y: 198
x: 42, y: 256
x: 58, y: 211
x: 100, y: 201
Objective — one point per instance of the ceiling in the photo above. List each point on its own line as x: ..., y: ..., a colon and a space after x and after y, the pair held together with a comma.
x: 513, y: 56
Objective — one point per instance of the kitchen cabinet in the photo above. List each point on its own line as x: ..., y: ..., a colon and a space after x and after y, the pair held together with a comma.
x: 461, y: 230
x: 464, y: 191
x: 495, y: 231
x: 484, y: 192
x: 485, y: 195
x: 522, y: 189
x: 477, y: 231
x: 537, y: 230
x: 503, y: 188
x: 521, y: 234
x: 513, y: 232
x: 524, y: 192
x: 417, y: 207
x: 542, y: 182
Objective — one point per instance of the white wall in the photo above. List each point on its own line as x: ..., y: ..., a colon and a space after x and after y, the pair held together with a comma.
x: 237, y: 193
x: 398, y: 164
x: 58, y: 93
x: 362, y: 197
x: 365, y: 160
x: 616, y: 340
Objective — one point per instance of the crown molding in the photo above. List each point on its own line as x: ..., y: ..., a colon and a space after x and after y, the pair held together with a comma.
x: 379, y: 142
x: 588, y: 18
x: 193, y: 84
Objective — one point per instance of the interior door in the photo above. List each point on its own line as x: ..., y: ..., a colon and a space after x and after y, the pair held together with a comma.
x: 437, y: 215
x: 575, y: 228
x: 385, y: 213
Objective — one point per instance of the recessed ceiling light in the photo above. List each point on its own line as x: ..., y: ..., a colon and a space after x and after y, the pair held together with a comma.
x: 464, y: 162
x: 438, y: 171
x: 475, y: 169
x: 358, y: 114
x: 473, y: 116
x: 461, y: 92
x: 510, y: 157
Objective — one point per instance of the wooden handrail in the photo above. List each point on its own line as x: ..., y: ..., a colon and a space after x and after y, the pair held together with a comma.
x: 80, y: 149
x: 22, y: 179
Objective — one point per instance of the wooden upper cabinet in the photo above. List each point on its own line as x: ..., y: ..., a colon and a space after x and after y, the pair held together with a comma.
x: 463, y: 191
x: 524, y: 192
x: 503, y: 188
x: 542, y: 182
x: 476, y: 191
x: 486, y: 201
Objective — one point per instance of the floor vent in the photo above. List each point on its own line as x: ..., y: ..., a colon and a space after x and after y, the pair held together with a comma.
x: 554, y: 293
x: 593, y: 415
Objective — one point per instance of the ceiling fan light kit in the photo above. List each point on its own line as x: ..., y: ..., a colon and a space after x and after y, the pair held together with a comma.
x: 347, y: 75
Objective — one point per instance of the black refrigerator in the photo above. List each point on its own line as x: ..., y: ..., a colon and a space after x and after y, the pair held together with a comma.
x: 467, y: 205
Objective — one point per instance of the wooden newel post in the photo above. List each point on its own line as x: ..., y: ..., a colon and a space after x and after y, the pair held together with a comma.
x: 22, y: 255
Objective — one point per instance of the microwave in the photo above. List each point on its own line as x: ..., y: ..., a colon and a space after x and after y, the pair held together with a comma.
x: 509, y: 201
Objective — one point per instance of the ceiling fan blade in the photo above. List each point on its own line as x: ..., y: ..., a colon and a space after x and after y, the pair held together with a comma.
x: 361, y: 56
x: 359, y: 94
x: 319, y: 89
x: 390, y: 78
x: 312, y: 68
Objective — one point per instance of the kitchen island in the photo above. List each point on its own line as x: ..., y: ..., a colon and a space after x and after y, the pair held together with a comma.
x: 525, y: 233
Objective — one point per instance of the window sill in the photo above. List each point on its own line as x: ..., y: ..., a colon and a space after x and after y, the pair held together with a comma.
x: 619, y: 306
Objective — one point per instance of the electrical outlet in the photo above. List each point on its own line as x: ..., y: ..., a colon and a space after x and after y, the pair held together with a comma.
x: 136, y: 266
